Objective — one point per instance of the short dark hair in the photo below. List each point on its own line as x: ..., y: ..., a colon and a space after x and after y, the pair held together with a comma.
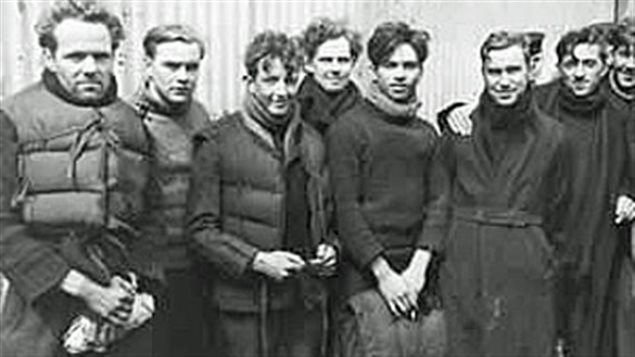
x: 170, y: 33
x: 269, y: 45
x: 591, y: 35
x: 324, y: 29
x: 623, y: 33
x: 83, y: 10
x: 501, y: 40
x: 390, y: 35
x: 535, y: 39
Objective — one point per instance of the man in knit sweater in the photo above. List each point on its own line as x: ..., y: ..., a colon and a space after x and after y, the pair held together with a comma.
x: 378, y: 154
x: 165, y: 103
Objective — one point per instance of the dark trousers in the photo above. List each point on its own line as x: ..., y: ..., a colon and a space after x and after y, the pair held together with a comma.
x: 294, y: 333
x: 183, y: 321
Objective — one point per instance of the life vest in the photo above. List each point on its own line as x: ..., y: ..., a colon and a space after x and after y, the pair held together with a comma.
x: 81, y: 169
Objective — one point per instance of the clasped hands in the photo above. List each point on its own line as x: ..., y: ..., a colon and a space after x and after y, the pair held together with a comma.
x: 280, y: 265
x: 118, y: 303
x: 401, y: 291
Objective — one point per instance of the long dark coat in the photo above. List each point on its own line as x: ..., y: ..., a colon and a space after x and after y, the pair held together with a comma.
x: 597, y: 129
x: 494, y: 217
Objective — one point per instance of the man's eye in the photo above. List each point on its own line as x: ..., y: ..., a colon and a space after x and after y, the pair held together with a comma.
x: 75, y: 57
x: 102, y: 56
x: 410, y: 65
x: 589, y: 63
x: 343, y: 60
x: 494, y: 71
x: 172, y: 66
x: 192, y: 67
x: 325, y: 59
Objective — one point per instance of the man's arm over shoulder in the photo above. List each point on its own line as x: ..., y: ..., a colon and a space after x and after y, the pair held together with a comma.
x: 226, y: 251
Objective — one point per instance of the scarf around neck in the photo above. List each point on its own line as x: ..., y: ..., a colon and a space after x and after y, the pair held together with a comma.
x: 498, y: 117
x: 583, y: 106
x: 275, y: 125
x: 320, y: 108
x: 156, y: 104
x: 404, y: 112
x: 53, y: 85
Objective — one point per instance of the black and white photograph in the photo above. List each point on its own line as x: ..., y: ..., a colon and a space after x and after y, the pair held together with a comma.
x: 317, y: 178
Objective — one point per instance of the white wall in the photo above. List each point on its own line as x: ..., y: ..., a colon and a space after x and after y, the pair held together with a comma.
x: 452, y: 71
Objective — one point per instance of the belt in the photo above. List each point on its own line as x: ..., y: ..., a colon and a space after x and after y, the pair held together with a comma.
x: 497, y: 217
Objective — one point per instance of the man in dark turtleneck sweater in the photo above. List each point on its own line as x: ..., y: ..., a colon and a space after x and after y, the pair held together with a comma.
x: 378, y: 155
x: 256, y: 213
x: 327, y: 91
x: 497, y: 203
x: 165, y: 103
x: 622, y: 89
x: 601, y: 192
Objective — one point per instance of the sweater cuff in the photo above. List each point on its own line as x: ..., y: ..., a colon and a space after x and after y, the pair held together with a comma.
x: 38, y: 275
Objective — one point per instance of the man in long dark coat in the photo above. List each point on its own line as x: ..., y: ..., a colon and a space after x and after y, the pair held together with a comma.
x: 496, y: 216
x: 597, y: 128
x: 622, y: 92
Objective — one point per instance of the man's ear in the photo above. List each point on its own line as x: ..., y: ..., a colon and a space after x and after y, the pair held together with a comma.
x: 249, y: 80
x: 147, y: 63
x: 49, y: 60
x: 309, y: 67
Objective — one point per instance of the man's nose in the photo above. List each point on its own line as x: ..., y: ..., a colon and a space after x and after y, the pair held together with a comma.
x: 181, y: 74
x: 89, y: 64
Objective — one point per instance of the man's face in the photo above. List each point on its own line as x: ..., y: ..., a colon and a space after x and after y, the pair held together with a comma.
x: 506, y: 75
x: 399, y: 75
x: 173, y: 72
x: 332, y: 64
x: 624, y: 65
x: 83, y: 60
x: 583, y: 69
x: 274, y: 85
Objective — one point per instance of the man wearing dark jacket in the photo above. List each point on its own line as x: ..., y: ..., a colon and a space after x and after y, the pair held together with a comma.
x: 328, y: 91
x: 499, y: 197
x: 256, y: 213
x: 601, y: 192
x: 378, y: 154
x: 622, y: 88
x: 74, y: 186
x: 165, y: 103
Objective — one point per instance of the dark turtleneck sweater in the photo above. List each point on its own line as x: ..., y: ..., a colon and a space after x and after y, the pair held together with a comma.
x: 320, y: 108
x: 378, y: 167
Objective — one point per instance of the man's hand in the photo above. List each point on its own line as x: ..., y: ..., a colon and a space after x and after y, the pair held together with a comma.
x: 325, y: 262
x: 624, y: 209
x: 114, y: 302
x: 277, y: 265
x: 394, y: 289
x: 415, y: 274
x: 459, y: 119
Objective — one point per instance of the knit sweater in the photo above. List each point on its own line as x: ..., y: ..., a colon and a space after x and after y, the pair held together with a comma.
x: 378, y: 167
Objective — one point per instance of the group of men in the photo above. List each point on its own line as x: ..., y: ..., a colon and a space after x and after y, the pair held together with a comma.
x: 316, y: 220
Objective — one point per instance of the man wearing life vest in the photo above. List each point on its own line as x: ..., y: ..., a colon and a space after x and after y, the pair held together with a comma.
x: 165, y: 103
x: 75, y: 256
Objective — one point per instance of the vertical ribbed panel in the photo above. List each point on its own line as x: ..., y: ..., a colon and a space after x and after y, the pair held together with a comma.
x: 452, y: 71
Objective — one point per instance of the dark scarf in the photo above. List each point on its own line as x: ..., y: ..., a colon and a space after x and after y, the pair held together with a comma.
x: 499, y: 126
x: 146, y: 100
x: 275, y: 125
x: 399, y: 113
x: 320, y: 108
x: 582, y: 106
x: 53, y: 85
x: 627, y: 94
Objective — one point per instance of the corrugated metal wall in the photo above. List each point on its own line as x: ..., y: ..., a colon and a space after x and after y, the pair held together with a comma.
x: 452, y: 72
